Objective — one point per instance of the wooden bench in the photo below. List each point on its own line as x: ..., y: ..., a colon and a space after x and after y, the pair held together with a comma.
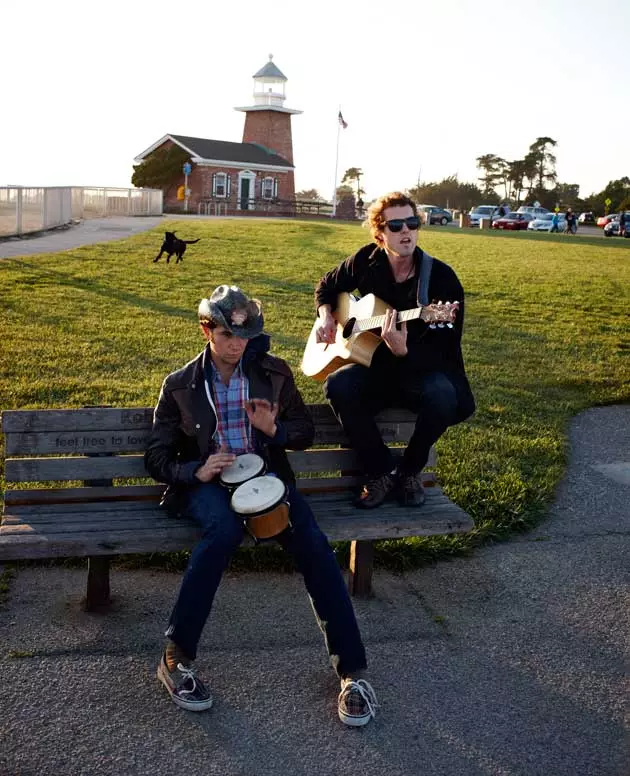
x: 98, y: 450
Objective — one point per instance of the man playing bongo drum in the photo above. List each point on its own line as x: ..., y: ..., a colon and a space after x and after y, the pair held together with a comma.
x: 233, y: 399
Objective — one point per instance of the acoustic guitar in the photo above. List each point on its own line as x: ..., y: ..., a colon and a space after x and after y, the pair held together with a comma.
x: 355, y: 340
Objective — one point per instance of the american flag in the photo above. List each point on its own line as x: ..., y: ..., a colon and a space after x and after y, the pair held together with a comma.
x: 343, y: 123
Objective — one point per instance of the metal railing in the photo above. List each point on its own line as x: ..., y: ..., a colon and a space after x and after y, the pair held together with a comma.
x: 33, y: 209
x: 217, y: 206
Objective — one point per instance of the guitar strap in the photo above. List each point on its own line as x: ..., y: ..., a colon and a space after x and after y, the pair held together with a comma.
x: 426, y: 265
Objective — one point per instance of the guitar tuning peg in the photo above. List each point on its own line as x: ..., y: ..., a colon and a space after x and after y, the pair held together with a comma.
x: 440, y: 325
x: 440, y: 303
x: 450, y: 325
x: 432, y: 326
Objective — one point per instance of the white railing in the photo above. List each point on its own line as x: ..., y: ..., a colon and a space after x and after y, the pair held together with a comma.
x: 24, y: 209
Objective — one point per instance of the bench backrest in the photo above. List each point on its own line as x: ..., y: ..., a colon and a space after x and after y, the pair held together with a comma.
x: 97, y: 446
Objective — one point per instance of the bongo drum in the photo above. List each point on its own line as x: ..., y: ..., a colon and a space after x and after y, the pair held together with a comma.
x: 262, y: 503
x: 243, y: 468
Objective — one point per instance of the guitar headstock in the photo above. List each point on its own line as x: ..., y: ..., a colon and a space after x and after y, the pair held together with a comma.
x: 440, y: 312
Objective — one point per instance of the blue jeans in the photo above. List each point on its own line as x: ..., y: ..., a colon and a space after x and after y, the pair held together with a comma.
x: 209, y: 506
x: 357, y: 393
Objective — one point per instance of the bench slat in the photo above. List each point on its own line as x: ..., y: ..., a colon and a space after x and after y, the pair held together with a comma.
x: 110, y: 440
x: 136, y: 419
x: 438, y: 516
x: 132, y: 466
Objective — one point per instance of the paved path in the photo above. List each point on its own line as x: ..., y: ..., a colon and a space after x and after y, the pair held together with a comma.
x: 512, y: 662
x: 95, y: 230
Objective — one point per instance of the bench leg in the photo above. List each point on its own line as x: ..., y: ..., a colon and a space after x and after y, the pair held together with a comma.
x: 361, y: 565
x: 98, y: 583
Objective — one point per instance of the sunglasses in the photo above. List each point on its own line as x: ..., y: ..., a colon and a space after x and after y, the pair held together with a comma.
x: 396, y: 224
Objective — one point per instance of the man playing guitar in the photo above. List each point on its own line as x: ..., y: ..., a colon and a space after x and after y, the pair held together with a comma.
x: 417, y: 366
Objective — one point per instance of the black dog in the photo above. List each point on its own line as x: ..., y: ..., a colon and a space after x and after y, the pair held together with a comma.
x: 173, y: 245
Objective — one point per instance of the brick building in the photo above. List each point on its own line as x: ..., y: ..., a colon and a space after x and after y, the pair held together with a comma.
x: 256, y: 175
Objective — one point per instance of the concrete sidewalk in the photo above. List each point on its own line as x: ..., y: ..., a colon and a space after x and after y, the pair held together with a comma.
x: 511, y: 662
x: 88, y: 232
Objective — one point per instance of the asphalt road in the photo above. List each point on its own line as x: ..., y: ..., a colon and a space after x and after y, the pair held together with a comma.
x: 512, y: 662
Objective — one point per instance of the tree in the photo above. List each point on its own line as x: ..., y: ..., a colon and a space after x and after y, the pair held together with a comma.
x: 344, y: 191
x: 517, y: 171
x: 310, y: 194
x: 161, y: 168
x: 493, y: 168
x: 354, y: 174
x: 450, y: 192
x: 544, y: 162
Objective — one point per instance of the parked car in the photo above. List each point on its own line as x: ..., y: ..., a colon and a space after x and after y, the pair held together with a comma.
x: 612, y: 229
x: 438, y: 215
x: 534, y: 211
x: 513, y: 221
x: 481, y: 211
x: 543, y: 223
x: 603, y: 220
x: 586, y: 218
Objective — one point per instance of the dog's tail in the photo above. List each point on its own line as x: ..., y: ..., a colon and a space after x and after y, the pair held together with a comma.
x: 190, y: 242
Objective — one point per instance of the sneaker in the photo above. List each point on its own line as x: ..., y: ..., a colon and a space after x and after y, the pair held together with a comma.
x: 410, y: 490
x: 356, y: 703
x: 186, y: 689
x: 375, y: 491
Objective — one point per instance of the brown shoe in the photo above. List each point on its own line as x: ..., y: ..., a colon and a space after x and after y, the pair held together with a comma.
x: 410, y: 491
x: 375, y: 491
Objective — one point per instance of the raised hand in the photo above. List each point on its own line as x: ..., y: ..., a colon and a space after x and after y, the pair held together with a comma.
x: 392, y: 336
x: 262, y: 415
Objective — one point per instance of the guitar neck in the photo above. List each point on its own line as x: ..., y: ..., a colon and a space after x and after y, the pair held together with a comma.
x: 377, y: 321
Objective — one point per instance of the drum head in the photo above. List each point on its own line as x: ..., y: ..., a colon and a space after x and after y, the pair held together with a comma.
x: 257, y: 494
x: 243, y: 468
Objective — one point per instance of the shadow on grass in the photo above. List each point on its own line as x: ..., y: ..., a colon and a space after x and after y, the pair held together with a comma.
x: 107, y: 291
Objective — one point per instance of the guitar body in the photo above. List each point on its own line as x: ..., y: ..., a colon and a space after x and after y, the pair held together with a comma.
x: 320, y: 359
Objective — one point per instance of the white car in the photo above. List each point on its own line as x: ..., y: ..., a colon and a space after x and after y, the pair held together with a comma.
x: 543, y: 223
x: 482, y: 211
x: 535, y: 211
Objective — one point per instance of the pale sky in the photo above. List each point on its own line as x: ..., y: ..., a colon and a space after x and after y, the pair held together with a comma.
x: 425, y: 87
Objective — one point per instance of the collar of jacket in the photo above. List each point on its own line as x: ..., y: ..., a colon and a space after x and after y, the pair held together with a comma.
x: 377, y: 255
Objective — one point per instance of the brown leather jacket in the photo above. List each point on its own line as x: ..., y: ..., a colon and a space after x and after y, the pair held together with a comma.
x: 184, y: 421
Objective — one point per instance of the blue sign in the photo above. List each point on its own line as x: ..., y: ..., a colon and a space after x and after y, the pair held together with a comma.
x: 187, y: 168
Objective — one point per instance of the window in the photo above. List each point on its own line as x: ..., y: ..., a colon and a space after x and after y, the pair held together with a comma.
x: 220, y: 185
x: 269, y: 188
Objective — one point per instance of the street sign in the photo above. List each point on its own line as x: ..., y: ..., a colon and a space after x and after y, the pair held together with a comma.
x: 537, y: 204
x: 608, y: 202
x: 187, y: 168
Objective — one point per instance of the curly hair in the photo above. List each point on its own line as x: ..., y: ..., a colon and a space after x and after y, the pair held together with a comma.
x: 375, y: 220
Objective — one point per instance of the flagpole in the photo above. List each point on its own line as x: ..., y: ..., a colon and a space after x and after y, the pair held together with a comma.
x: 334, y: 201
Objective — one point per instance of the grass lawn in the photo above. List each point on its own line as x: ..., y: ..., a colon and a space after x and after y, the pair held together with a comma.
x: 546, y: 335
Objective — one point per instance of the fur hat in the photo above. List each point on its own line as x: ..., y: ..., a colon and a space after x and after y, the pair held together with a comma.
x: 230, y: 307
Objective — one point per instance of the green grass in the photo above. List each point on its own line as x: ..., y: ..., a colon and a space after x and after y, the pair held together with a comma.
x: 545, y: 336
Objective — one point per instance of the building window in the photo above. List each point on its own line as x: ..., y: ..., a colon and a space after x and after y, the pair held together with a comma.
x: 220, y: 185
x: 269, y: 188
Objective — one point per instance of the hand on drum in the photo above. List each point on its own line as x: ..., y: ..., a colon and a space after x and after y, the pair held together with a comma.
x: 214, y: 465
x: 262, y: 415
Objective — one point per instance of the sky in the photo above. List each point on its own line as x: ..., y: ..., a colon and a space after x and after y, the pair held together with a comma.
x: 425, y: 87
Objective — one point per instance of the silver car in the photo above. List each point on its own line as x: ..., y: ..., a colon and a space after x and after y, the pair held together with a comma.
x: 482, y: 211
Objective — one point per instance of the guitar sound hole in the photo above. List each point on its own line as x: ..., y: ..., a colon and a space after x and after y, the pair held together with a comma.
x: 349, y: 325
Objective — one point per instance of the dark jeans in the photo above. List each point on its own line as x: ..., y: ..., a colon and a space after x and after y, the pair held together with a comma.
x: 357, y: 393
x: 208, y: 505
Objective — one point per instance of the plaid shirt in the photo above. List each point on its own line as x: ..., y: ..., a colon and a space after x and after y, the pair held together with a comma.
x: 233, y: 428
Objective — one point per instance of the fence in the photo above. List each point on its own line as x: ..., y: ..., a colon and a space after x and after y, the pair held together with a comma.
x: 24, y: 209
x: 220, y: 206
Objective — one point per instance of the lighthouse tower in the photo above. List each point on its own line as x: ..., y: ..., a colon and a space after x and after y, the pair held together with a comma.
x: 268, y: 121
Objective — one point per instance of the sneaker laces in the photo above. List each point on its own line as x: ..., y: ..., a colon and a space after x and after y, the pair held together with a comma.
x: 188, y: 673
x: 365, y: 690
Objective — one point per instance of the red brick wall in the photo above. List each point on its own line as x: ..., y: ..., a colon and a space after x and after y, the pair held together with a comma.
x: 271, y: 129
x: 200, y: 183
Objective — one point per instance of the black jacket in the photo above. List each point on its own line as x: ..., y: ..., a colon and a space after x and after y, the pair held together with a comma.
x: 428, y: 350
x: 184, y: 421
